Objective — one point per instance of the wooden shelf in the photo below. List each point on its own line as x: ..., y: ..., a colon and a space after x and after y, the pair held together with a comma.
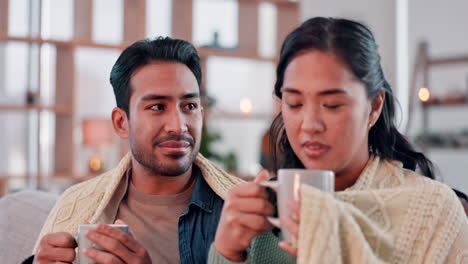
x: 49, y: 178
x: 69, y: 43
x: 218, y: 114
x: 448, y: 60
x: 59, y: 109
x: 204, y: 52
x: 435, y: 104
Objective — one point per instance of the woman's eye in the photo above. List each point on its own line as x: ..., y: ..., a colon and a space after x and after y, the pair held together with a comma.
x: 294, y: 106
x: 332, y: 106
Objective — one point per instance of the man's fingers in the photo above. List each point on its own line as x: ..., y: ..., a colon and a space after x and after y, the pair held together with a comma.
x: 102, y: 257
x: 110, y: 244
x: 121, y: 222
x: 126, y: 239
x: 65, y: 255
x: 61, y: 240
x: 262, y: 176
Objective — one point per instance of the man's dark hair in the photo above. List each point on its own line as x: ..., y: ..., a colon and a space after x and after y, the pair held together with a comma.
x: 143, y: 52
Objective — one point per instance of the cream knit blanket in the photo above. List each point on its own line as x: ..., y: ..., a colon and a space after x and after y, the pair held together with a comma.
x: 86, y: 201
x: 390, y: 215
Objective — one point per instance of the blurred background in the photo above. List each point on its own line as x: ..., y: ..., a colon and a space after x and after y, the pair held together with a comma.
x: 56, y: 56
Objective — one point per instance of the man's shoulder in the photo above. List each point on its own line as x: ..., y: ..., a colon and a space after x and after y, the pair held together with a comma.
x: 90, y: 186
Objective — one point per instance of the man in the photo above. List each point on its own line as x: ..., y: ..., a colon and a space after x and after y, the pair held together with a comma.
x: 168, y: 194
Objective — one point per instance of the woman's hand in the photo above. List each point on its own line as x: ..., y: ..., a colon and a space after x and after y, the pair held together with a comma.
x: 243, y: 218
x: 292, y: 224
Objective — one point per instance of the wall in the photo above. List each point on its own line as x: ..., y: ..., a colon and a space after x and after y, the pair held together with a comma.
x: 379, y: 15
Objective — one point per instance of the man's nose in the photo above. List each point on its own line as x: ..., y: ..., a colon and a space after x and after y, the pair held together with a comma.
x: 176, y: 123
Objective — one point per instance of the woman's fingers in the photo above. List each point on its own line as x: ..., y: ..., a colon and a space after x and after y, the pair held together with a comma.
x: 295, y: 210
x: 290, y: 249
x: 262, y: 176
x: 250, y: 189
x: 257, y: 206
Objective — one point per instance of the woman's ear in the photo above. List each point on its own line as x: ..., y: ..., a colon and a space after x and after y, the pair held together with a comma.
x: 376, y: 108
x: 120, y: 122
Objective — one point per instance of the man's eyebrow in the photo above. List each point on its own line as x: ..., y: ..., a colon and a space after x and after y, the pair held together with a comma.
x: 152, y: 97
x: 190, y: 95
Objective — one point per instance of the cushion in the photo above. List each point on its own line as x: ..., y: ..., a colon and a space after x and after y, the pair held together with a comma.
x: 22, y: 215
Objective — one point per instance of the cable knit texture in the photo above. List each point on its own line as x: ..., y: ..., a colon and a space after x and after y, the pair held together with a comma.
x: 86, y: 201
x: 390, y: 215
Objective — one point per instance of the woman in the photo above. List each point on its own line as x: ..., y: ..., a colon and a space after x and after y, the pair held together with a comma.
x: 337, y: 113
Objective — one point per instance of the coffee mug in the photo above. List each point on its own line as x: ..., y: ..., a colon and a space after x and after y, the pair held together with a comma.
x: 83, y: 241
x: 287, y: 188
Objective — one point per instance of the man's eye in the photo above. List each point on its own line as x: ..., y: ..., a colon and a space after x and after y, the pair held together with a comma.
x: 157, y: 107
x: 191, y: 106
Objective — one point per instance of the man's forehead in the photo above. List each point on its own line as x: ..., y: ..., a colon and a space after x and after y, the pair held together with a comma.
x: 169, y: 79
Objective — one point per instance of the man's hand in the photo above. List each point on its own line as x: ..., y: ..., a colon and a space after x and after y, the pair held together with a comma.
x: 243, y: 218
x: 56, y: 248
x: 122, y: 247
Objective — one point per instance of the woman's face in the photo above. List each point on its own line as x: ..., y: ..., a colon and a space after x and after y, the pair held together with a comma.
x: 327, y: 115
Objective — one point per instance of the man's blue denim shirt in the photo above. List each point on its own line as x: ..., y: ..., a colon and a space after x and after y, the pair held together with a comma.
x: 198, y: 223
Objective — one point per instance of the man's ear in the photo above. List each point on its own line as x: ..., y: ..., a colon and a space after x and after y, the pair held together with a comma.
x: 376, y: 108
x: 203, y: 112
x: 120, y: 122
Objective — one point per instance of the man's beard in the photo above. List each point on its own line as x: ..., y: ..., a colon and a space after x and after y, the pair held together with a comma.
x: 149, y: 160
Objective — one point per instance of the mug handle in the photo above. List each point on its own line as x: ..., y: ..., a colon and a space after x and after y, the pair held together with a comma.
x: 274, y: 185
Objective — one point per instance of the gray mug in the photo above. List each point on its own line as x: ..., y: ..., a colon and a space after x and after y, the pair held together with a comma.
x: 83, y: 241
x: 287, y: 188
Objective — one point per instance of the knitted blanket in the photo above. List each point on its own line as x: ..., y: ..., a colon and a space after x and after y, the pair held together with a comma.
x: 391, y: 215
x: 86, y: 201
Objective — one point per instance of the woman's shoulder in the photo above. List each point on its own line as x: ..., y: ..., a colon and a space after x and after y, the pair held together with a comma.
x: 392, y: 174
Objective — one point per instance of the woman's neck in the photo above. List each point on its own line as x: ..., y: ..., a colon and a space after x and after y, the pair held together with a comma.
x: 348, y: 177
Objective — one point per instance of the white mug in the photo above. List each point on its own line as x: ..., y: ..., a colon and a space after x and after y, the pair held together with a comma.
x: 83, y: 242
x: 288, y: 187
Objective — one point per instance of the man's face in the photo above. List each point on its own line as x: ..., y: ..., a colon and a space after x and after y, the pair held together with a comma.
x: 165, y: 118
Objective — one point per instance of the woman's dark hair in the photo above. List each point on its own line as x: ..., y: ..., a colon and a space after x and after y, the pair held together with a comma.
x: 143, y: 52
x: 355, y: 45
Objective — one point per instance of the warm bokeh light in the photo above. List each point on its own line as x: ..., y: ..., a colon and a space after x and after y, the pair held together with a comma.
x: 424, y: 94
x: 246, y: 106
x: 95, y: 164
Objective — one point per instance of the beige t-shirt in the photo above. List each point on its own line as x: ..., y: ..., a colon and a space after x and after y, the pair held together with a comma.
x: 153, y: 220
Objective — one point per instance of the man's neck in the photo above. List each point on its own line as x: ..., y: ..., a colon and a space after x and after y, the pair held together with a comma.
x: 150, y: 183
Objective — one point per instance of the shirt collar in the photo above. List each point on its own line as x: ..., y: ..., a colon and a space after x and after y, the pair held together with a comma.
x: 202, y: 195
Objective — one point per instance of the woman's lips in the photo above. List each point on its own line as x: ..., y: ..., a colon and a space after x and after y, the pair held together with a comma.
x: 315, y: 149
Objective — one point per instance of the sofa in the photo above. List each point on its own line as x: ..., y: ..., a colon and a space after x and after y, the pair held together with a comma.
x: 22, y: 215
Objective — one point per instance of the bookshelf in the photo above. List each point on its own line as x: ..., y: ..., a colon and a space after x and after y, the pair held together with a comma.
x: 427, y: 139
